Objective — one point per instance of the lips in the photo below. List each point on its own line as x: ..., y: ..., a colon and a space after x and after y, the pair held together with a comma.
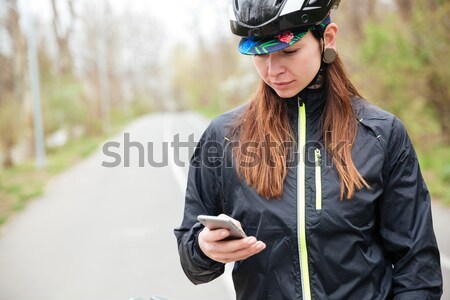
x: 282, y: 83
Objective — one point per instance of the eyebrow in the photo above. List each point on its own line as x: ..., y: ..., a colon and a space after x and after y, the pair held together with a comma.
x: 301, y: 41
x: 294, y: 46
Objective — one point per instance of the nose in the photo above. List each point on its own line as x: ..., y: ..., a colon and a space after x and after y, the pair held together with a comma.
x: 275, y: 66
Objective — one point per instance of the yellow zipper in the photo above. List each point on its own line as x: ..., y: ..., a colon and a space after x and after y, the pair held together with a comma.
x: 301, y: 202
x: 318, y: 172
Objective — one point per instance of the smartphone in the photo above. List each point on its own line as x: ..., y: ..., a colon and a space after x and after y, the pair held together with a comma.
x: 213, y: 223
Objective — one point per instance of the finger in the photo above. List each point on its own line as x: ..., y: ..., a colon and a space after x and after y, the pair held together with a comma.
x: 230, y: 246
x: 220, y: 249
x: 240, y: 254
x: 208, y: 243
x: 233, y: 246
x: 255, y: 249
x: 238, y: 244
x: 211, y: 236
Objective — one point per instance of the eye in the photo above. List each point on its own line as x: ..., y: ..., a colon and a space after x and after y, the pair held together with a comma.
x: 288, y: 52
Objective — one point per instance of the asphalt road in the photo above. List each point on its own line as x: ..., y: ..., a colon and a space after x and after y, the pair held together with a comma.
x: 107, y: 233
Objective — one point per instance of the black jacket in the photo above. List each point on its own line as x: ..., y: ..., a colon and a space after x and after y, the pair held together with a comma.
x: 378, y: 245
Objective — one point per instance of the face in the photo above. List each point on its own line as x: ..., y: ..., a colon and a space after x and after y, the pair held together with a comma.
x: 290, y: 70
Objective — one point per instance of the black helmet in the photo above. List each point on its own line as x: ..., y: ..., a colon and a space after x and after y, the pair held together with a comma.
x: 256, y: 18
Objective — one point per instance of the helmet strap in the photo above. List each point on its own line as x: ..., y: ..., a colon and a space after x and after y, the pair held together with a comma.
x: 328, y: 56
x: 318, y: 80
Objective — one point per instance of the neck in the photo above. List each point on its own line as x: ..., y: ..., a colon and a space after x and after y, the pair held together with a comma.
x: 317, y: 84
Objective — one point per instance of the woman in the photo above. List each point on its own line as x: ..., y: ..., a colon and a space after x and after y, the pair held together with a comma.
x: 326, y: 185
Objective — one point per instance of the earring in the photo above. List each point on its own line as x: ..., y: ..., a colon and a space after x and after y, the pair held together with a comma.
x: 329, y: 55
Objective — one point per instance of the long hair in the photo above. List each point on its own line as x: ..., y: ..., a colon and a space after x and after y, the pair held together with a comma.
x: 265, y: 120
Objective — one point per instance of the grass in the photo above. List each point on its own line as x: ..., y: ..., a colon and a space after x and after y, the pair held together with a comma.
x: 435, y: 165
x: 209, y: 111
x: 212, y: 111
x: 24, y: 182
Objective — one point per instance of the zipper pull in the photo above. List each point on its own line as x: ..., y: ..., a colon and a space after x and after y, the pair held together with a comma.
x: 318, y: 157
x: 300, y: 101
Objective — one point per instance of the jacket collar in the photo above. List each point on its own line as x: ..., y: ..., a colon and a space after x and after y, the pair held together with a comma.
x: 314, y: 99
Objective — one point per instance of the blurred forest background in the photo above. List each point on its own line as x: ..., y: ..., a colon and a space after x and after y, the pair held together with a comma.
x: 100, y: 67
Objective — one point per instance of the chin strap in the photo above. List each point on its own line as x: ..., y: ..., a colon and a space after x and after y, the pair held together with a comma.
x: 318, y: 80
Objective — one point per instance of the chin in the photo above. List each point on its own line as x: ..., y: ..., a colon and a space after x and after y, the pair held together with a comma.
x: 288, y: 91
x: 287, y: 94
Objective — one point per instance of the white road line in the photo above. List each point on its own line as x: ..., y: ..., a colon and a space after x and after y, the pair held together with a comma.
x: 177, y: 172
x: 181, y: 180
x: 445, y: 262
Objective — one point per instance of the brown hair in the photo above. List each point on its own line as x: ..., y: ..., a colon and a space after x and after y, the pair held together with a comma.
x: 266, y: 121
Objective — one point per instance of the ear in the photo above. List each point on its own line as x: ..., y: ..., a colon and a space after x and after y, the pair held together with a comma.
x: 330, y: 36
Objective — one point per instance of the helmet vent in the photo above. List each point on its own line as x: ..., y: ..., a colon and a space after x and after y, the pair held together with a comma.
x: 236, y: 4
x: 277, y: 3
x: 256, y: 12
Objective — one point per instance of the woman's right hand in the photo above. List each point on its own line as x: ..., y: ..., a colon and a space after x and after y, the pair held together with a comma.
x: 212, y: 244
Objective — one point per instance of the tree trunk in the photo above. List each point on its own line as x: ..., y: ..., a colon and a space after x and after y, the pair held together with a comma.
x: 13, y: 83
x: 7, y: 159
x: 432, y: 5
x: 405, y: 8
x: 438, y: 95
x: 65, y: 63
x: 19, y: 70
x: 372, y: 9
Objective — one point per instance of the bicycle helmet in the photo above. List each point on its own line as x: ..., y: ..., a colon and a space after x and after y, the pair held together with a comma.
x: 271, y: 25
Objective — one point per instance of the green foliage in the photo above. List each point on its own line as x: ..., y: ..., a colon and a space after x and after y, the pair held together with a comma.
x: 62, y: 101
x: 390, y: 49
x: 390, y: 60
x: 394, y: 74
x: 432, y: 39
x: 210, y: 79
x: 18, y: 185
x: 11, y: 123
x: 66, y: 107
x: 436, y: 166
x: 404, y: 62
x: 401, y: 67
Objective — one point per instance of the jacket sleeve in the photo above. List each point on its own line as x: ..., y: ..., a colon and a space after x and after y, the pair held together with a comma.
x: 406, y: 224
x: 202, y: 197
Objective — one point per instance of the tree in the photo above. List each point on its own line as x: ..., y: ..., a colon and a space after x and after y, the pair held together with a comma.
x: 405, y: 8
x: 13, y: 66
x: 353, y: 18
x: 372, y: 8
x: 433, y: 46
x: 11, y: 122
x: 64, y: 61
